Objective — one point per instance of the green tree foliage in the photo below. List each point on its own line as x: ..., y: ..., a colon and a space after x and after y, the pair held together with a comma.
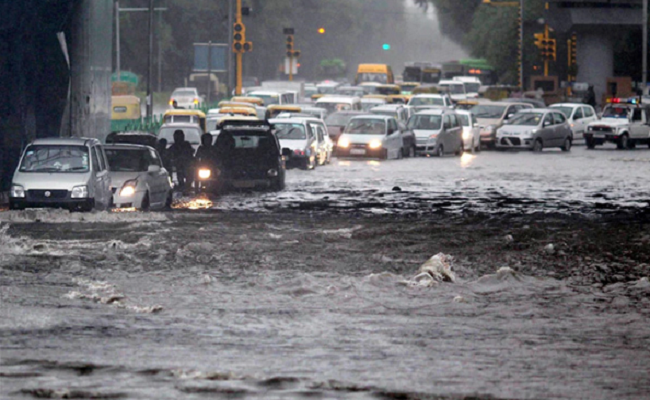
x: 488, y: 31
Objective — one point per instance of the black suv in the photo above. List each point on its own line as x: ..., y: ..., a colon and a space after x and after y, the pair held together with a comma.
x: 249, y: 156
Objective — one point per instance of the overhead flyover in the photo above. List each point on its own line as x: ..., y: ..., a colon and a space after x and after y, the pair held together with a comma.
x: 55, y: 66
x: 597, y: 24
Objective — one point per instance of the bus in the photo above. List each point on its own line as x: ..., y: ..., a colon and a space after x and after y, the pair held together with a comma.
x: 470, y: 67
x: 422, y: 72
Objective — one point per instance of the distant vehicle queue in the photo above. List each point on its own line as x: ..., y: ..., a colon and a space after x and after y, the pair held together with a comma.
x: 248, y: 142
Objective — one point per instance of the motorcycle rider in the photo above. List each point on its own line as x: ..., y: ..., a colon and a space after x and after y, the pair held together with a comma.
x: 182, y: 156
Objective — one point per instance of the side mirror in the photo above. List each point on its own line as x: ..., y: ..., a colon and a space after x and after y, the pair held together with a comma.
x: 286, y: 152
x: 153, y: 168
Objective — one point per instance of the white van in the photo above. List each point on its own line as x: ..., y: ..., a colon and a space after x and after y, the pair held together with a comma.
x: 472, y: 85
x: 67, y: 173
x: 339, y: 103
x: 455, y: 89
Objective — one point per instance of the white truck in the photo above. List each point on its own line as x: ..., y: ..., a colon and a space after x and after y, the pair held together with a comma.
x: 625, y: 124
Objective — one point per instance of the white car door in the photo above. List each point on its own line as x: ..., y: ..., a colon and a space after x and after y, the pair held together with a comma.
x: 577, y: 123
x: 103, y: 193
x: 157, y: 180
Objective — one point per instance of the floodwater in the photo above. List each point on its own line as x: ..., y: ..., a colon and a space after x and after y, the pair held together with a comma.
x: 275, y: 303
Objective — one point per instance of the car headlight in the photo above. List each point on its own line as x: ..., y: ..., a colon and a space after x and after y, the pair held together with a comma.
x: 374, y: 144
x: 17, y: 191
x: 344, y: 142
x: 79, y: 192
x: 433, y: 136
x: 466, y: 135
x: 272, y: 172
x: 589, y: 128
x: 205, y: 173
x: 128, y: 189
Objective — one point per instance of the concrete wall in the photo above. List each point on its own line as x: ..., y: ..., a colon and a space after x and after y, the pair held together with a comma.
x: 595, y: 59
x: 36, y: 78
x: 90, y: 55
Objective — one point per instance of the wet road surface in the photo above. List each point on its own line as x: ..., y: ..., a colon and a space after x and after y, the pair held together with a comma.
x: 309, y: 293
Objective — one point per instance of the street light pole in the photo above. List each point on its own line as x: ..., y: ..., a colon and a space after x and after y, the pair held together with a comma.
x: 644, y: 69
x: 117, y: 39
x: 521, y: 45
x: 150, y: 63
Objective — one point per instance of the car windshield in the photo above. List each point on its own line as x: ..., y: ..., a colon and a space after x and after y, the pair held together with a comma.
x: 192, y: 135
x: 564, y: 110
x: 128, y: 160
x: 372, y: 77
x: 385, y: 112
x: 268, y: 98
x: 334, y: 106
x: 526, y: 119
x: 350, y: 91
x: 184, y: 93
x: 485, y: 111
x: 290, y: 131
x: 425, y: 122
x: 366, y: 126
x: 464, y: 119
x: 615, y: 112
x: 338, y: 119
x: 55, y: 158
x: 426, y: 101
x: 326, y: 89
x: 472, y: 87
x: 453, y: 89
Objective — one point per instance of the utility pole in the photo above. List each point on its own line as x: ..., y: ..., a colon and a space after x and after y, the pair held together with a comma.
x: 238, y: 55
x: 644, y: 69
x: 117, y: 39
x: 209, y: 70
x: 231, y: 76
x: 150, y: 63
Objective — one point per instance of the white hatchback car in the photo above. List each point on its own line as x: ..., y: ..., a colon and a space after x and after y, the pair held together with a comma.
x: 138, y: 177
x: 371, y: 136
x: 186, y: 97
x: 578, y: 116
x: 62, y: 173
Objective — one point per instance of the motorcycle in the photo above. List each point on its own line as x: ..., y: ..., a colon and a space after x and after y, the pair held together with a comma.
x: 207, y: 178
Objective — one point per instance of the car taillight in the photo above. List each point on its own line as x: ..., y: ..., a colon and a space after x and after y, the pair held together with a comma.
x: 299, y: 152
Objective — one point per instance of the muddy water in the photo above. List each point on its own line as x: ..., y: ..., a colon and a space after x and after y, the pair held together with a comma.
x: 227, y: 305
x: 582, y: 180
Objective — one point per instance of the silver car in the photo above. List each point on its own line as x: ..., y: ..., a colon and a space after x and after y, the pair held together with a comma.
x: 62, y: 173
x: 437, y: 132
x: 536, y: 129
x: 138, y: 177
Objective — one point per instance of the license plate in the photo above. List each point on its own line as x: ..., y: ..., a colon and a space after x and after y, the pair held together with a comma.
x: 357, y: 152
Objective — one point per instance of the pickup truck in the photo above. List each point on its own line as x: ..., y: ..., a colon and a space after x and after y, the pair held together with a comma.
x: 624, y: 124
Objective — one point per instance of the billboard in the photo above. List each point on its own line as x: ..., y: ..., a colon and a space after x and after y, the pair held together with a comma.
x: 218, y: 53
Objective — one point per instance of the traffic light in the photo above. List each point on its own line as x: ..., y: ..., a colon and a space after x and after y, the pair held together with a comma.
x: 539, y: 38
x: 549, y: 50
x: 573, y: 49
x: 238, y: 37
x: 321, y: 30
x: 385, y: 46
x: 289, y: 45
x: 248, y: 46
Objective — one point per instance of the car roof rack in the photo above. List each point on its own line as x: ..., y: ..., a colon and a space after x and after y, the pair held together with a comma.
x: 247, y: 124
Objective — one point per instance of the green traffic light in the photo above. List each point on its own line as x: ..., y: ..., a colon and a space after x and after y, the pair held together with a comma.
x: 386, y: 46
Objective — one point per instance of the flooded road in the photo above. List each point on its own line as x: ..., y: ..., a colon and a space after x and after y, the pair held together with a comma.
x: 310, y: 293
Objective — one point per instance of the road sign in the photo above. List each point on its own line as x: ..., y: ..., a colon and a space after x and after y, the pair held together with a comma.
x: 294, y: 65
x: 218, y: 54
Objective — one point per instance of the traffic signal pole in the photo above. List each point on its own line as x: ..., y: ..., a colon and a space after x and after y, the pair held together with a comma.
x: 546, y: 59
x: 238, y: 55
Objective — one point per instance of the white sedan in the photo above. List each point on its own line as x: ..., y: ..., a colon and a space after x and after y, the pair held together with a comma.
x: 138, y: 178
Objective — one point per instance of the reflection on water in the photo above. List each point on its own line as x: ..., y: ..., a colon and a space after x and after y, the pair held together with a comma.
x: 344, y: 163
x: 466, y: 159
x: 201, y: 202
x: 373, y: 163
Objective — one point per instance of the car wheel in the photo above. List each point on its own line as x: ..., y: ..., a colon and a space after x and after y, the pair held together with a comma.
x: 145, y: 203
x: 14, y: 206
x: 591, y: 144
x: 567, y: 145
x: 277, y: 185
x: 440, y: 151
x: 538, y: 146
x: 623, y: 143
x: 460, y: 150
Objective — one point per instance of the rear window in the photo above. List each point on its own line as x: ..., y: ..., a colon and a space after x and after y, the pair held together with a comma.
x: 128, y: 160
x: 192, y: 135
x: 184, y: 93
x: 290, y: 131
x: 55, y: 158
